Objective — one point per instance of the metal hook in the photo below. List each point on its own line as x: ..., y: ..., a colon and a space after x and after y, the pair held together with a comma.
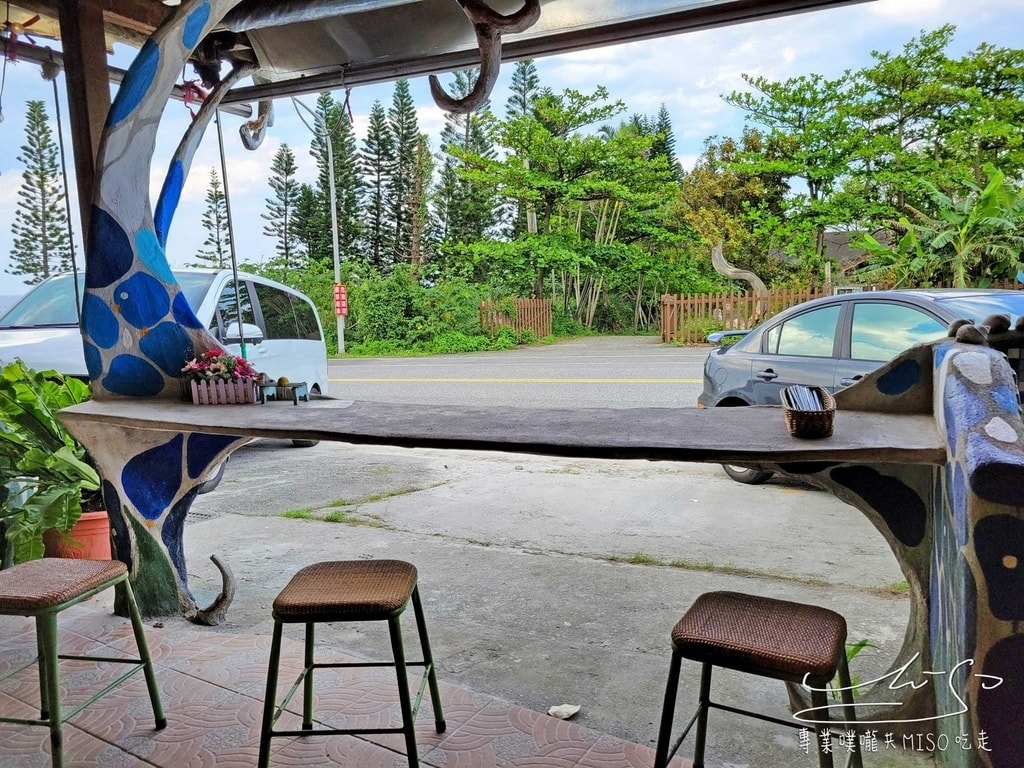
x: 488, y: 25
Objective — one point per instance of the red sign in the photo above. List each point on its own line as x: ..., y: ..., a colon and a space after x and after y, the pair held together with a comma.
x: 340, y: 300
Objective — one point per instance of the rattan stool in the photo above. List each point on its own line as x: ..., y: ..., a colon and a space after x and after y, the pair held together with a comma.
x: 772, y: 638
x: 350, y: 590
x: 44, y: 588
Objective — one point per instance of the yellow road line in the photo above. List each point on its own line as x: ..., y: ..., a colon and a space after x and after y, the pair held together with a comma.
x: 488, y: 380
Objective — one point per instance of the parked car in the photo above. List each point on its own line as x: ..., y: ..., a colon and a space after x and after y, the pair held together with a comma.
x: 833, y: 342
x: 280, y: 325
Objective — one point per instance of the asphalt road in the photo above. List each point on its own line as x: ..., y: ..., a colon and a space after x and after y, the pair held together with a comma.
x: 611, y: 372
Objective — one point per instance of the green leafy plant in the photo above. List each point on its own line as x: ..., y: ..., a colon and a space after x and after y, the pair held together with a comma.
x: 46, y: 476
x: 852, y: 649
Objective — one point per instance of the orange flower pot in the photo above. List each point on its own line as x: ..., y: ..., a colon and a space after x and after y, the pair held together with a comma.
x: 89, y: 539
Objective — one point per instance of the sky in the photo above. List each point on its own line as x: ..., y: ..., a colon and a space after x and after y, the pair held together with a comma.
x: 687, y: 73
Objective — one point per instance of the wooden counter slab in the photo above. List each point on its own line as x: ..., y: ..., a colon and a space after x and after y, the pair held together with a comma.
x: 721, y: 435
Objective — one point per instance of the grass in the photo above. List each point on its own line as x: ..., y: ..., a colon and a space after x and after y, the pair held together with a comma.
x: 338, y: 516
x: 299, y: 514
x: 895, y: 588
x: 640, y: 558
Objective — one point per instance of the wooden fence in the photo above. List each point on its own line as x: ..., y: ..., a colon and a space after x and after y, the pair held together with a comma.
x: 689, y: 318
x: 530, y: 315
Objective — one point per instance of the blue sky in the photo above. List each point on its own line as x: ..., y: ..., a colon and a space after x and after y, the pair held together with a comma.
x: 688, y: 73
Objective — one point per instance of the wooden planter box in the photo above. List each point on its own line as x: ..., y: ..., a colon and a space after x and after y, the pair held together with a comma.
x: 223, y: 392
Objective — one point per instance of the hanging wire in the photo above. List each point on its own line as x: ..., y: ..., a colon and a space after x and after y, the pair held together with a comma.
x: 3, y: 70
x: 231, y: 233
x: 51, y: 71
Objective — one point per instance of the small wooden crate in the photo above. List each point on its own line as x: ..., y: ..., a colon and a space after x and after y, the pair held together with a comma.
x: 809, y: 424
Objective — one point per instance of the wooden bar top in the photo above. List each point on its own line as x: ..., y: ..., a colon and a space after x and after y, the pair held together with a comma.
x: 722, y: 435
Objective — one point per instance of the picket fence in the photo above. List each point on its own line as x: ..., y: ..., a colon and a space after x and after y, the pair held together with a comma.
x: 530, y: 315
x: 689, y: 318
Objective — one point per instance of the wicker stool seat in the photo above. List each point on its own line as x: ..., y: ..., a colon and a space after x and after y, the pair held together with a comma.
x: 762, y: 636
x: 340, y: 591
x: 44, y: 588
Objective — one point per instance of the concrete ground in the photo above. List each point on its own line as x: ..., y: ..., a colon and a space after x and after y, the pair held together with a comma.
x: 557, y: 581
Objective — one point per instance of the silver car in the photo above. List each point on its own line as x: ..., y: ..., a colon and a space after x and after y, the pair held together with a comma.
x: 834, y: 342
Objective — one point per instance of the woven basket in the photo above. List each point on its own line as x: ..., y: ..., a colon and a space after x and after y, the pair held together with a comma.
x: 809, y: 424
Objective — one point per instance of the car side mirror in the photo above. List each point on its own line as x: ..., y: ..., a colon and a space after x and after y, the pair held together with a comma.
x: 249, y: 334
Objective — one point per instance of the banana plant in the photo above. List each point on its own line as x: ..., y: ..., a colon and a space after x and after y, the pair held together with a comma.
x: 45, y: 473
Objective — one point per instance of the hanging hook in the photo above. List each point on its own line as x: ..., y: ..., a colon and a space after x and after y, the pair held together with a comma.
x: 489, y: 26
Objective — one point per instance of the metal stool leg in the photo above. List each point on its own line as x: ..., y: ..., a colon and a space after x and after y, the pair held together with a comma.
x: 702, y: 716
x: 408, y: 724
x: 46, y: 628
x: 307, y: 680
x: 428, y: 659
x: 270, y: 699
x: 147, y: 661
x: 819, y: 700
x: 44, y: 708
x: 668, y: 709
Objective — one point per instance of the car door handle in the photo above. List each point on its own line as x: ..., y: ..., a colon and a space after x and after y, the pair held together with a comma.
x: 766, y: 375
x: 852, y: 380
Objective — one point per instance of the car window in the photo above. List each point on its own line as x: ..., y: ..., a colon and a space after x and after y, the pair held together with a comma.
x: 194, y: 285
x: 880, y: 331
x: 228, y: 307
x: 278, y: 315
x: 811, y: 334
x: 305, y: 319
x: 52, y: 302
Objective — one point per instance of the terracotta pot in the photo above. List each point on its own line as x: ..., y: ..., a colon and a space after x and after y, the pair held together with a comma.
x: 89, y: 539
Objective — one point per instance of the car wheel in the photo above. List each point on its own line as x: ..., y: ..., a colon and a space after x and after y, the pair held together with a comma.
x: 305, y: 443
x: 214, y: 480
x: 747, y: 476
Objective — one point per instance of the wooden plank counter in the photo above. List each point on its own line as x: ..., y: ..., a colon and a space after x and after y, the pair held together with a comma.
x: 722, y: 435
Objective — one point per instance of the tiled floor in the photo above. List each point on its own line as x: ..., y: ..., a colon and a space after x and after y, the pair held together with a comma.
x: 212, y: 691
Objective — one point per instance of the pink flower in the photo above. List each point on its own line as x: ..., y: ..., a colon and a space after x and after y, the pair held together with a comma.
x: 218, y: 364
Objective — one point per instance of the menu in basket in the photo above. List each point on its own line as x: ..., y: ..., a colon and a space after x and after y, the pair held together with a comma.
x: 804, y: 398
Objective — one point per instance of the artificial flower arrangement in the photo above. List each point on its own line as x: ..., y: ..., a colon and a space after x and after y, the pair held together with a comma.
x: 217, y: 377
x: 218, y: 364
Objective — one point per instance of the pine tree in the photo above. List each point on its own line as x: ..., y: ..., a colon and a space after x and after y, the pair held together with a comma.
x: 420, y: 235
x: 216, y: 252
x: 41, y: 245
x: 406, y: 134
x: 665, y: 141
x: 466, y: 209
x: 282, y: 207
x: 525, y: 87
x: 377, y: 162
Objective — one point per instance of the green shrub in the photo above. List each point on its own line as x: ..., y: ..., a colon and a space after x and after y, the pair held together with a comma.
x: 527, y: 337
x: 505, y: 338
x: 563, y: 324
x: 375, y: 348
x: 454, y: 342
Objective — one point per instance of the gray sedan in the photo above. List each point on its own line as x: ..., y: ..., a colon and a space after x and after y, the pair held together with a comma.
x: 835, y: 341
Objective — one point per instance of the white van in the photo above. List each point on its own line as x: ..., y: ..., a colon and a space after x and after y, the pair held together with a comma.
x: 282, y: 330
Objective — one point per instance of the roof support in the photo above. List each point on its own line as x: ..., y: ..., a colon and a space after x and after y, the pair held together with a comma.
x: 85, y: 59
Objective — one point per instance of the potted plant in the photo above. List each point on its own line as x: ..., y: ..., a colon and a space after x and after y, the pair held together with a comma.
x: 46, y: 476
x: 219, y: 377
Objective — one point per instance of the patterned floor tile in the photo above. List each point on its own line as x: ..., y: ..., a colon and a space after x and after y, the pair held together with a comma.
x: 212, y: 689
